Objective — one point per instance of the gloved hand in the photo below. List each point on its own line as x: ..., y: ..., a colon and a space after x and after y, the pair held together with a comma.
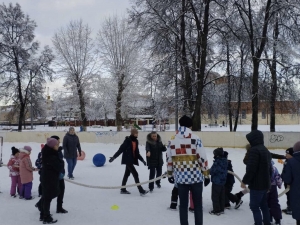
x: 79, y: 153
x: 61, y: 176
x: 206, y: 181
x: 171, y: 180
x: 60, y: 148
x: 111, y: 159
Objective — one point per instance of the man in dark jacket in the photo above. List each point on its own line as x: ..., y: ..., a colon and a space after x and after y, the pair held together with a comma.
x: 50, y: 178
x: 289, y: 154
x: 130, y: 157
x: 70, y: 145
x: 291, y: 177
x: 154, y: 149
x: 258, y: 172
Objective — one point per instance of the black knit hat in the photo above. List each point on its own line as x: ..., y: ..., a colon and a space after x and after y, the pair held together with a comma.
x: 55, y: 137
x: 218, y: 152
x: 14, y: 151
x: 185, y: 121
x: 289, y: 151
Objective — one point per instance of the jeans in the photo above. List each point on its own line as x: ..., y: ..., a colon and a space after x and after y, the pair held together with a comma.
x: 183, y: 191
x: 15, y: 184
x: 259, y: 207
x: 153, y: 170
x: 130, y: 169
x: 71, y: 166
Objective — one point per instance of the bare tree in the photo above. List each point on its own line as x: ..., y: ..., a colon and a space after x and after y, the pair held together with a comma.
x: 19, y: 63
x: 119, y: 52
x: 76, y: 59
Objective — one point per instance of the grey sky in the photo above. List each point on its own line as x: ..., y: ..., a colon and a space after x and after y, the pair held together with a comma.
x: 50, y: 15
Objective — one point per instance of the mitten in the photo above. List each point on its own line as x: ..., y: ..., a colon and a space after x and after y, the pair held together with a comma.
x: 111, y: 159
x: 61, y: 176
x: 171, y: 180
x: 206, y: 181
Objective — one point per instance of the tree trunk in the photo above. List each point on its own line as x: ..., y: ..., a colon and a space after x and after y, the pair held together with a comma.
x: 121, y: 88
x: 202, y: 70
x: 229, y: 87
x: 82, y: 105
x: 255, y: 102
x: 274, y: 87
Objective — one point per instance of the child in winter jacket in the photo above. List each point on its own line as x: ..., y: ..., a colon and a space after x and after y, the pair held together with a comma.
x: 218, y: 173
x: 229, y: 197
x: 13, y: 166
x: 26, y: 173
x: 273, y: 203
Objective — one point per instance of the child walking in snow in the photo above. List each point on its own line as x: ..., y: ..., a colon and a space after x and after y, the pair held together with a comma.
x: 218, y: 173
x: 273, y: 203
x: 13, y: 166
x: 26, y: 173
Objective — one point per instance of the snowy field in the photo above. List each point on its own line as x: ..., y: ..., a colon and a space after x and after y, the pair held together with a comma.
x: 93, y: 206
x: 204, y: 127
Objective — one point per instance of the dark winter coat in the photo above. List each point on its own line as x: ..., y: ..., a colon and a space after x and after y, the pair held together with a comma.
x: 258, y: 169
x: 218, y: 171
x: 50, y: 172
x: 126, y: 148
x: 61, y: 157
x: 291, y: 176
x: 70, y: 145
x: 230, y: 178
x: 156, y: 148
x: 273, y: 155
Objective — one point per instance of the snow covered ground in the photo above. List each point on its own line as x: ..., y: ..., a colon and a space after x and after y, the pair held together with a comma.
x: 93, y: 206
x: 205, y: 127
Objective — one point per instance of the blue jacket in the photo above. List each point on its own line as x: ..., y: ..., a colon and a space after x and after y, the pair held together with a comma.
x: 218, y: 171
x: 291, y: 177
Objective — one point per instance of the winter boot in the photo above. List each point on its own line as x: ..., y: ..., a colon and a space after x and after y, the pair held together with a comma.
x: 287, y: 211
x: 143, y: 192
x: 173, y: 206
x: 61, y: 210
x: 49, y: 220
x: 125, y: 192
x: 191, y: 210
x: 227, y: 206
x: 30, y: 198
x: 158, y: 185
x: 38, y: 205
x: 213, y: 212
x: 238, y: 204
x: 277, y: 222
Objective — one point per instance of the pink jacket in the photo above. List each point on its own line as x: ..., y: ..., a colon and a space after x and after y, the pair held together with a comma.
x: 26, y: 169
x: 13, y: 166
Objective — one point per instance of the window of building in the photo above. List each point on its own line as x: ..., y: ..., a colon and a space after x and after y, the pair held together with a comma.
x: 263, y: 114
x: 243, y: 114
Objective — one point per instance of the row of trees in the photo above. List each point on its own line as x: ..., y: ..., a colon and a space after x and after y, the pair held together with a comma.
x: 169, y: 49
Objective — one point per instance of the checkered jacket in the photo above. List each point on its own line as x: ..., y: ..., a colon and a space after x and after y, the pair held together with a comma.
x: 187, y: 158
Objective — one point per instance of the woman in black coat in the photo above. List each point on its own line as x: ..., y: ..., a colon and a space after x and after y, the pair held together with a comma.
x: 130, y: 157
x: 50, y: 177
x: 154, y: 150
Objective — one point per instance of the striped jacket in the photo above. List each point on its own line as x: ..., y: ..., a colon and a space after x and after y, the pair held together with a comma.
x: 187, y: 158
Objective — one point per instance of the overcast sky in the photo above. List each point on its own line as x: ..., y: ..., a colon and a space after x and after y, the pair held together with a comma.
x: 50, y: 15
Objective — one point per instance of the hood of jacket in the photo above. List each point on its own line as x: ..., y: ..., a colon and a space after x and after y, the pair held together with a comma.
x: 22, y: 154
x: 152, y: 142
x: 70, y: 135
x: 184, y: 132
x: 255, y: 137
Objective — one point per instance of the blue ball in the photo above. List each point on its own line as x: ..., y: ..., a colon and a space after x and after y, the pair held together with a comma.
x: 99, y: 160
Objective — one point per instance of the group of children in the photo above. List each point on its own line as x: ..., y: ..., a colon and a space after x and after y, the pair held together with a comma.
x: 21, y: 173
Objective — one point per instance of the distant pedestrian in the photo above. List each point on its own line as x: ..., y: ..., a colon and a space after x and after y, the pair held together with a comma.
x: 71, y: 145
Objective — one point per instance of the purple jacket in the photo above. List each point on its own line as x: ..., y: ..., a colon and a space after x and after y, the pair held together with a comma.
x: 275, y: 178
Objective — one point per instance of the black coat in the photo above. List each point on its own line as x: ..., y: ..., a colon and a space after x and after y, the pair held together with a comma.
x: 127, y: 150
x: 258, y: 170
x: 290, y: 176
x: 70, y: 145
x: 156, y: 148
x: 50, y: 173
x: 230, y: 178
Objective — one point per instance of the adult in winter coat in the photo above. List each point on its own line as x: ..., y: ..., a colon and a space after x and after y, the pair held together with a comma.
x: 50, y: 178
x: 130, y: 156
x: 187, y: 160
x: 258, y: 177
x: 289, y: 154
x: 70, y: 145
x: 154, y: 149
x: 291, y: 177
